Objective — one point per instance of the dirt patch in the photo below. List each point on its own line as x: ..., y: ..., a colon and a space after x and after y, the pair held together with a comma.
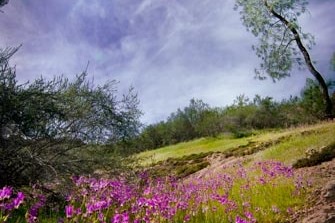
x: 217, y: 162
x: 320, y: 207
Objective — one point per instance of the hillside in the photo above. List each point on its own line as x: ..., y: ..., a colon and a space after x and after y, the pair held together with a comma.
x: 301, y: 147
x: 272, y: 176
x: 286, y: 145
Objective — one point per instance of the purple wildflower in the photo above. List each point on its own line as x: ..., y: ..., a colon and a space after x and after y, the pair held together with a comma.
x: 250, y: 217
x: 187, y: 218
x: 238, y: 219
x: 120, y: 218
x: 5, y: 193
x: 32, y: 215
x: 69, y: 211
x: 18, y: 200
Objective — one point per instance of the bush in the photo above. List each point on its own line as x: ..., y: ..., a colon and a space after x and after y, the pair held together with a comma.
x: 47, y: 127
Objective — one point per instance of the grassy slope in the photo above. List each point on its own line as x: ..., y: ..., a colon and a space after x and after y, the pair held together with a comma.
x: 202, y: 145
x: 303, y: 139
x: 288, y: 145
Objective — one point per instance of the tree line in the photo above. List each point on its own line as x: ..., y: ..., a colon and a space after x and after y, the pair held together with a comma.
x: 198, y: 119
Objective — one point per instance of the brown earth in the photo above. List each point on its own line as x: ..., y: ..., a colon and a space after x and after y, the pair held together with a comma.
x: 320, y: 207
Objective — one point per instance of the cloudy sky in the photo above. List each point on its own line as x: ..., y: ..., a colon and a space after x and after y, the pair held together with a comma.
x: 169, y: 50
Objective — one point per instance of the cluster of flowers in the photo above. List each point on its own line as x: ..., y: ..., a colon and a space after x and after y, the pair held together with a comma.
x: 9, y: 202
x: 228, y: 196
x: 235, y: 194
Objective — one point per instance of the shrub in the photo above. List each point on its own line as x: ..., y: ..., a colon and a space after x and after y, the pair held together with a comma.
x: 46, y: 127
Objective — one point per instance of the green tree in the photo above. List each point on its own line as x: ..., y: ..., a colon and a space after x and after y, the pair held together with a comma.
x: 49, y: 127
x: 238, y: 115
x: 186, y: 121
x: 154, y: 136
x: 292, y: 113
x: 211, y: 123
x: 311, y: 98
x: 266, y: 115
x: 281, y: 40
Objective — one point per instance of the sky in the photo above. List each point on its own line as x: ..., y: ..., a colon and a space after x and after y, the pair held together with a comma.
x: 170, y: 51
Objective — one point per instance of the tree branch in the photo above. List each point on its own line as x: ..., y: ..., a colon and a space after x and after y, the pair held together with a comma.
x: 307, y: 58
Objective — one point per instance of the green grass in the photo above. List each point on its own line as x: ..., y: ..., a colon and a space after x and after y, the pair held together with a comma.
x: 295, y: 147
x: 268, y: 202
x: 203, y: 145
x: 286, y: 145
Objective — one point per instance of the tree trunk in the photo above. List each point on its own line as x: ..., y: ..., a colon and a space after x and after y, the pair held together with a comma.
x: 308, y: 61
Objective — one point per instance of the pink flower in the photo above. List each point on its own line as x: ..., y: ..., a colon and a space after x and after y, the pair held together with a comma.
x: 69, y: 211
x: 5, y: 193
x: 187, y: 218
x: 238, y: 219
x: 18, y: 200
x: 120, y: 218
x: 250, y: 217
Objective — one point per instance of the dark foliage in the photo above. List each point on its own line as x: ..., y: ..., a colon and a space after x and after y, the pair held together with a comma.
x: 180, y: 167
x: 53, y: 128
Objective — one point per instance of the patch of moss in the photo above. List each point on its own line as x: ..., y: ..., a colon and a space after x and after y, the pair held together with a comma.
x: 316, y: 158
x: 180, y: 167
x: 184, y: 171
x: 253, y: 147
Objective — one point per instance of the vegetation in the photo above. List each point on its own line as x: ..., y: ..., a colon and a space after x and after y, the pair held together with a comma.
x: 242, y: 119
x: 296, y: 146
x: 61, y: 130
x: 48, y: 127
x: 326, y: 153
x: 281, y: 40
x: 203, y: 145
x: 286, y: 146
x: 255, y: 190
x: 180, y: 167
x: 265, y: 192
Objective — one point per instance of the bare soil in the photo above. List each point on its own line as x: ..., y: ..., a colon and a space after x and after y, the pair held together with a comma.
x: 320, y: 207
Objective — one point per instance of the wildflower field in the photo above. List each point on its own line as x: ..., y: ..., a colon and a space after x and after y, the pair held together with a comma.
x: 266, y: 191
x: 261, y: 188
